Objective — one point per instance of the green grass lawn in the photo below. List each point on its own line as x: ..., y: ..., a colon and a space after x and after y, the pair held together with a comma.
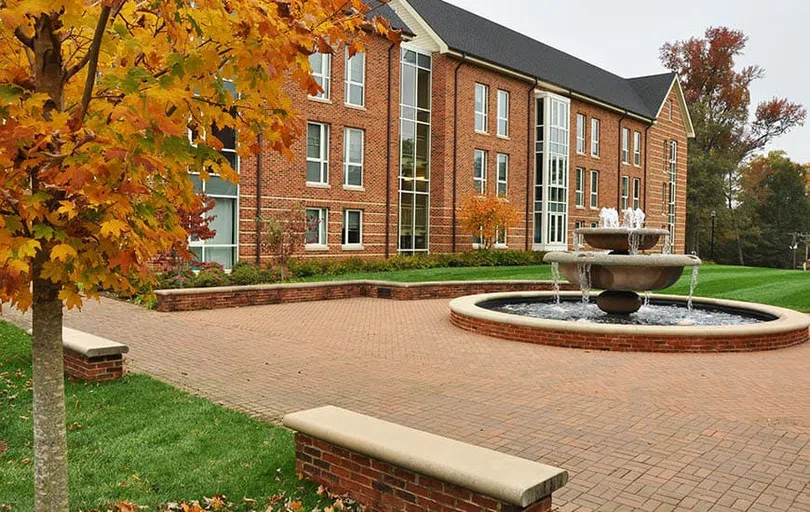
x: 140, y: 440
x: 786, y: 288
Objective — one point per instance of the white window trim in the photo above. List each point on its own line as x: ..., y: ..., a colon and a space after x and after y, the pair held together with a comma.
x: 485, y: 113
x: 625, y: 146
x: 583, y: 139
x: 636, y: 193
x: 503, y: 116
x: 637, y: 149
x: 348, y: 82
x: 595, y: 129
x: 579, y: 193
x: 498, y: 180
x: 325, y: 76
x: 594, y: 201
x: 483, y: 178
x: 323, y: 225
x: 345, y: 233
x: 347, y: 164
x: 625, y: 192
x: 323, y: 159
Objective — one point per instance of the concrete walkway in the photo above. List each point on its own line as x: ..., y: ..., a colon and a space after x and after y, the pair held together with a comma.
x: 652, y: 432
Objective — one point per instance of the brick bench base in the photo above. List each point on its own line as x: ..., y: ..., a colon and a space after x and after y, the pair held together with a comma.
x: 96, y: 369
x: 383, y: 487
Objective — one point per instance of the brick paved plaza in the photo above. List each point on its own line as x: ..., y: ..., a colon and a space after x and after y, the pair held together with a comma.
x: 652, y: 432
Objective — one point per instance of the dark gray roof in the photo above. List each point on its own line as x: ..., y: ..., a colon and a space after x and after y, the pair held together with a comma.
x: 475, y: 36
x: 377, y: 8
x: 653, y: 89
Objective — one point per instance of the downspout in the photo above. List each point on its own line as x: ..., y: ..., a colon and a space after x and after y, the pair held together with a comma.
x: 646, y: 154
x: 455, y: 148
x: 388, y: 160
x: 529, y: 161
x: 619, y: 188
x: 259, y: 158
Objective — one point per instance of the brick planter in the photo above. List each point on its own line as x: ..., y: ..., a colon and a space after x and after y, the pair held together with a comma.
x: 191, y: 299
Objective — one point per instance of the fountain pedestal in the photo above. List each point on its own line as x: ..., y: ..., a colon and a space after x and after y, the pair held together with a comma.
x: 618, y: 303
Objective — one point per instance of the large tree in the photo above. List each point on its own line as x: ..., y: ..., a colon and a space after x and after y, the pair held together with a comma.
x: 727, y: 133
x: 97, y: 100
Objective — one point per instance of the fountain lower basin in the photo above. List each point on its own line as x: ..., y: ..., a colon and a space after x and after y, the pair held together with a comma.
x: 764, y: 327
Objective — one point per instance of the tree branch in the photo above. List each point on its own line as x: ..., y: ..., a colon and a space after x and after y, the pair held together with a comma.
x: 24, y: 39
x: 92, y: 61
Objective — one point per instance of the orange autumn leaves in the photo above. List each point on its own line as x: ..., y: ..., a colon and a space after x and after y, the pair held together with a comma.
x: 487, y: 217
x: 94, y: 174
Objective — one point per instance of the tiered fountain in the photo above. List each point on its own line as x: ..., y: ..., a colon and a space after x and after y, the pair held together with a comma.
x: 620, y: 266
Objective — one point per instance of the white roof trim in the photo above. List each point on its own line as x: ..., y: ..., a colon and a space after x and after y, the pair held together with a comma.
x: 690, y: 129
x: 424, y: 26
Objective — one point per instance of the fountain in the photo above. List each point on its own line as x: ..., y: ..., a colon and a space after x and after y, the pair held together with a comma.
x: 620, y: 266
x: 623, y: 272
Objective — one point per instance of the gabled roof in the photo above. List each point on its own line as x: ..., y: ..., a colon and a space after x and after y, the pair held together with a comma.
x: 469, y: 34
x: 377, y: 8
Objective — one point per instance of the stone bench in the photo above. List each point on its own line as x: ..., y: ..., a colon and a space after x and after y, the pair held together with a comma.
x: 388, y: 467
x: 92, y: 358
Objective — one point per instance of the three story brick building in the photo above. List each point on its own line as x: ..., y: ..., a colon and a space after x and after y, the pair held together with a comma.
x: 404, y: 131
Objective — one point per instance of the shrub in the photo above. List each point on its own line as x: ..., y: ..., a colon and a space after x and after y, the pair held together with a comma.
x: 210, y: 274
x: 180, y: 277
x: 246, y: 273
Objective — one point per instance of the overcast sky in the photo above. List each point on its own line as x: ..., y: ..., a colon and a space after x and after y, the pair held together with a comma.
x: 624, y: 36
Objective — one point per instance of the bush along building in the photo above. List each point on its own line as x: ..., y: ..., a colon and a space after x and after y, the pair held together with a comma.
x: 403, y: 132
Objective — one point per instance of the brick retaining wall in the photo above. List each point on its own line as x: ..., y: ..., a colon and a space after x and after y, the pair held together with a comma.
x: 630, y: 342
x: 236, y: 296
x: 380, y: 486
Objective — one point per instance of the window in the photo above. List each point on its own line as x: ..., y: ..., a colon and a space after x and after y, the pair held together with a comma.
x: 552, y: 142
x: 355, y: 91
x: 594, y: 189
x: 500, y: 237
x: 352, y: 228
x: 594, y: 137
x: 594, y: 224
x: 316, y: 232
x: 636, y: 193
x: 318, y: 153
x: 481, y: 107
x: 321, y: 64
x: 579, y: 239
x: 625, y: 191
x: 480, y: 171
x: 581, y: 134
x: 503, y: 114
x: 579, y: 193
x: 414, y: 151
x: 353, y: 157
x: 637, y: 149
x: 673, y: 175
x: 503, y: 174
x: 625, y: 146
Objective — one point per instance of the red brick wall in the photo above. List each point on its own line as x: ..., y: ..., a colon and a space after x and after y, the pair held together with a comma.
x: 95, y: 369
x: 383, y: 487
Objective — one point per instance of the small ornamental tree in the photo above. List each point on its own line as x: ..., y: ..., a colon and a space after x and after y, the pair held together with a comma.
x: 284, y: 234
x: 486, y: 217
x: 197, y: 224
x: 97, y: 100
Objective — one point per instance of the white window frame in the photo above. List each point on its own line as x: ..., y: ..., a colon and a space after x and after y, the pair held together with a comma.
x: 625, y: 192
x: 579, y: 188
x: 503, y: 113
x: 594, y: 189
x: 636, y: 193
x: 345, y: 245
x: 637, y: 149
x: 350, y: 82
x: 347, y: 164
x: 579, y: 238
x: 323, y: 229
x: 595, y: 137
x: 551, y: 171
x: 480, y: 182
x: 502, y: 158
x: 625, y: 146
x: 581, y: 120
x: 324, y: 78
x: 673, y: 176
x: 323, y: 159
x: 482, y: 115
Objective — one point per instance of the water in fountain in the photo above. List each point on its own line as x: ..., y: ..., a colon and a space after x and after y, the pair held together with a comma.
x: 608, y: 218
x: 633, y: 221
x: 585, y: 281
x: 692, y: 285
x: 647, y: 296
x: 555, y: 281
x: 667, y: 247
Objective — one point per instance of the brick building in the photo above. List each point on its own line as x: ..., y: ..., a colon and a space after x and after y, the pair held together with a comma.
x: 404, y: 131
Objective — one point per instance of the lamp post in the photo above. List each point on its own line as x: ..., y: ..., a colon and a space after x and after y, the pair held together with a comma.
x: 714, y: 218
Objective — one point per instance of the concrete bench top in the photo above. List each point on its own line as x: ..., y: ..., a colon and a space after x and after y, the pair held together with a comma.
x: 89, y: 345
x: 516, y: 481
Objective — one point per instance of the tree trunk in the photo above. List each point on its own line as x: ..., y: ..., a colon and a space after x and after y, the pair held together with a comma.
x: 50, y: 448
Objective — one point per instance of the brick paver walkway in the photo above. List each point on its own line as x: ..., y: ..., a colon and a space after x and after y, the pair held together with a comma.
x: 652, y: 432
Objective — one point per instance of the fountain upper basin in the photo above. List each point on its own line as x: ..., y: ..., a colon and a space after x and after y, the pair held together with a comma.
x: 618, y: 239
x: 622, y: 272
